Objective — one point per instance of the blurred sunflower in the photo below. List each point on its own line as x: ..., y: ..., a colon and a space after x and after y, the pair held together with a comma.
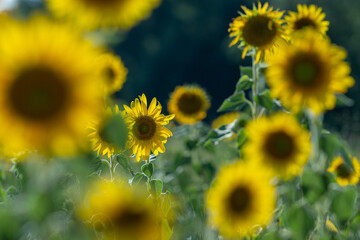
x: 92, y: 14
x: 308, y: 73
x: 307, y: 16
x: 113, y: 72
x: 120, y: 212
x: 344, y: 174
x: 225, y: 119
x: 48, y: 87
x: 241, y: 200
x: 189, y: 104
x: 146, y: 131
x: 279, y: 143
x: 99, y: 140
x: 259, y: 28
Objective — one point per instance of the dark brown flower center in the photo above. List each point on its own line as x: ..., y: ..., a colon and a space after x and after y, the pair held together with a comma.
x: 343, y: 171
x: 144, y: 128
x: 259, y: 31
x: 190, y: 103
x: 306, y: 70
x: 38, y: 94
x: 109, y: 74
x: 279, y: 145
x: 304, y: 22
x: 239, y: 200
x: 130, y: 218
x: 102, y: 3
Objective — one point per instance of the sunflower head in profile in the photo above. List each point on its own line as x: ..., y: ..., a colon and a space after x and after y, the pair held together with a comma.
x: 120, y: 212
x: 279, y: 143
x: 99, y: 139
x: 307, y: 16
x: 49, y: 87
x: 189, y: 104
x: 259, y: 28
x: 93, y: 14
x: 241, y: 200
x: 146, y: 127
x: 113, y: 72
x: 345, y: 175
x: 308, y: 73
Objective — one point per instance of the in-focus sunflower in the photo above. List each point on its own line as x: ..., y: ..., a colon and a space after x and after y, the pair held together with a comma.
x: 279, y: 143
x: 112, y: 71
x: 48, y: 87
x: 241, y: 200
x: 120, y: 212
x: 99, y: 140
x: 307, y: 16
x: 146, y: 131
x: 345, y: 175
x: 92, y: 14
x: 308, y: 73
x: 189, y: 104
x: 259, y: 28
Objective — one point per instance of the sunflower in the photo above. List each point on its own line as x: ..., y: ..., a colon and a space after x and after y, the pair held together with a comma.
x: 241, y: 200
x: 112, y: 71
x: 307, y: 16
x: 100, y: 143
x: 189, y: 104
x: 344, y: 174
x: 278, y: 142
x: 308, y: 73
x: 48, y: 87
x: 225, y: 119
x: 259, y: 28
x: 92, y: 14
x: 120, y: 212
x: 146, y: 131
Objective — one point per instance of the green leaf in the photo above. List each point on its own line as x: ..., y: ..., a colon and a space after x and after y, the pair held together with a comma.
x: 246, y: 71
x: 343, y: 204
x: 264, y: 99
x: 234, y: 102
x: 115, y: 131
x: 343, y: 101
x: 299, y: 221
x: 244, y: 83
x: 241, y: 138
x: 138, y: 178
x: 166, y: 230
x: 123, y: 160
x: 148, y: 169
x: 2, y: 194
x: 156, y: 186
x: 313, y: 185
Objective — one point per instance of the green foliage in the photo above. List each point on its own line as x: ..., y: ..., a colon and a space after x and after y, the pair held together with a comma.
x: 343, y: 204
x: 235, y: 102
x: 299, y: 220
x: 116, y: 131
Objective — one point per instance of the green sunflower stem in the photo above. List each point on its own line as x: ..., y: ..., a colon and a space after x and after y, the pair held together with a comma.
x: 2, y: 194
x: 254, y: 85
x: 315, y: 128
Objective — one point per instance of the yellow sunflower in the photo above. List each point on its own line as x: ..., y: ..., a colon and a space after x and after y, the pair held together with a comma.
x: 308, y: 73
x: 344, y: 174
x: 189, y: 104
x: 307, y: 16
x: 259, y: 28
x: 146, y: 131
x: 120, y: 212
x: 241, y: 200
x: 98, y: 137
x: 48, y: 87
x: 225, y: 119
x: 113, y: 72
x: 279, y: 143
x: 92, y: 14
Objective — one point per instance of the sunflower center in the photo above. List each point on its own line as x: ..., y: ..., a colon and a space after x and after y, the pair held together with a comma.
x: 102, y: 2
x: 130, y: 218
x: 304, y: 22
x: 109, y: 74
x: 144, y: 128
x: 279, y: 145
x: 190, y: 103
x: 259, y: 31
x: 38, y: 94
x: 343, y: 171
x: 239, y: 200
x: 306, y: 70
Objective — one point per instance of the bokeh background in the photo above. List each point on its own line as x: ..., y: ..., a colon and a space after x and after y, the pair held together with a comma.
x: 186, y: 41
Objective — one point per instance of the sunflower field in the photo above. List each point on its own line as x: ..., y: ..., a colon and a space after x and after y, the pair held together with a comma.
x: 179, y: 119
